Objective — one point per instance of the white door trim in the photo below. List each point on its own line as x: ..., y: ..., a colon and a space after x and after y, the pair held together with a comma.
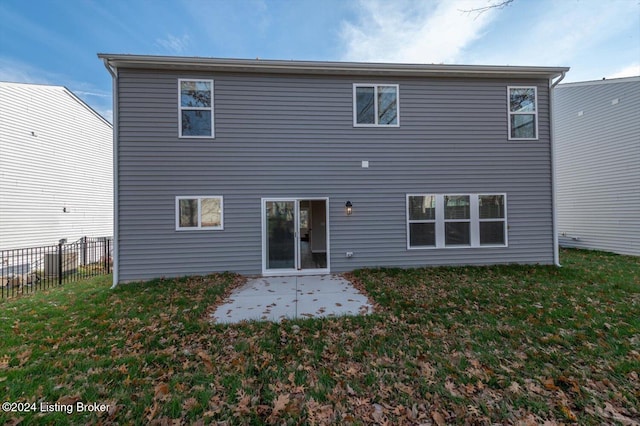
x: 296, y: 270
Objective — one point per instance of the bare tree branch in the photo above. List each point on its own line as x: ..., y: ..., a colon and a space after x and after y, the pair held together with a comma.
x: 480, y: 10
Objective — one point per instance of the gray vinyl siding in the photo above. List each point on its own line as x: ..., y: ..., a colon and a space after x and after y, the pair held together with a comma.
x: 293, y: 136
x: 598, y: 163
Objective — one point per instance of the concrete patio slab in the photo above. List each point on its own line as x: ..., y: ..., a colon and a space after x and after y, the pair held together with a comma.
x: 277, y: 298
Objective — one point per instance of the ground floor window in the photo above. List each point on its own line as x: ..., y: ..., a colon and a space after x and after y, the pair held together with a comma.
x: 456, y: 220
x: 199, y: 212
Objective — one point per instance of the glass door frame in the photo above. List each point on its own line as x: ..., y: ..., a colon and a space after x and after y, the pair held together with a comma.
x: 297, y: 268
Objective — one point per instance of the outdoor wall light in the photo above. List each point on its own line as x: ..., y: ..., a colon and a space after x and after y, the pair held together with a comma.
x: 348, y: 206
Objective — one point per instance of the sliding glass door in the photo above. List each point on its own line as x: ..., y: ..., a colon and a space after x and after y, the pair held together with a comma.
x: 281, y: 234
x: 295, y: 236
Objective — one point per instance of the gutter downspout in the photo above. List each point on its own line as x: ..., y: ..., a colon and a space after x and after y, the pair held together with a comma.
x: 114, y: 74
x: 554, y: 190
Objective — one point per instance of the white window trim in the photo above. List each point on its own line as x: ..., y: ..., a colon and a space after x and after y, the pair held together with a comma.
x: 510, y: 113
x: 503, y: 220
x: 475, y: 231
x: 375, y: 105
x: 181, y: 108
x: 474, y: 221
x: 199, y: 227
x: 410, y: 221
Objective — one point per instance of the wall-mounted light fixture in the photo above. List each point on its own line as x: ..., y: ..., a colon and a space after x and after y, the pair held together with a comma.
x: 348, y: 206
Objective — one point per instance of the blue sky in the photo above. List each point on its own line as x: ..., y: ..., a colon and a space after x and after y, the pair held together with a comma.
x: 56, y: 41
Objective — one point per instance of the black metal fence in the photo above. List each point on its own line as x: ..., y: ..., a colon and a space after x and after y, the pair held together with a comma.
x: 27, y: 270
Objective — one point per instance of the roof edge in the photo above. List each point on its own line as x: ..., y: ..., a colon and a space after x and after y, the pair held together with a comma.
x: 599, y: 82
x: 326, y: 67
x: 87, y: 106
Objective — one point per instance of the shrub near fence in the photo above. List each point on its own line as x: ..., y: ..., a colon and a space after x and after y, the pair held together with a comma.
x: 27, y: 270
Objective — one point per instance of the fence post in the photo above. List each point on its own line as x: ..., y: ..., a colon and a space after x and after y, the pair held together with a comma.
x: 84, y: 251
x: 60, y: 248
x: 105, y: 255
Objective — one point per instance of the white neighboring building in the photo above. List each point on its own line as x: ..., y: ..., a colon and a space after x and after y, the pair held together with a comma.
x: 597, y: 136
x: 56, y: 168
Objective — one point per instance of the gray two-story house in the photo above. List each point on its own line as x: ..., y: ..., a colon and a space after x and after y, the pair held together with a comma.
x: 292, y: 167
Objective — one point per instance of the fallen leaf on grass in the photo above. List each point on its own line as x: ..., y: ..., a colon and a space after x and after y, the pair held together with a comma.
x: 15, y: 421
x: 550, y: 384
x: 569, y: 383
x: 377, y: 413
x: 438, y: 418
x: 568, y: 413
x: 533, y: 387
x: 69, y: 399
x: 611, y: 412
x: 242, y: 406
x: 4, y: 361
x: 404, y: 388
x: 206, y: 360
x: 24, y: 357
x: 161, y: 390
x: 514, y: 388
x: 451, y: 387
x: 350, y: 390
x: 529, y: 420
x: 318, y: 413
x: 280, y: 404
x: 190, y: 404
x: 152, y: 411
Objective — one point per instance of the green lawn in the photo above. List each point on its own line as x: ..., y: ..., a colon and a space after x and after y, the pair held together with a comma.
x: 475, y: 345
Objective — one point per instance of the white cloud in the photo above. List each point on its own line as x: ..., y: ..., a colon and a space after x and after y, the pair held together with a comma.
x: 94, y: 93
x: 587, y: 35
x: 408, y: 31
x: 632, y: 70
x: 19, y: 72
x: 571, y: 29
x: 176, y: 45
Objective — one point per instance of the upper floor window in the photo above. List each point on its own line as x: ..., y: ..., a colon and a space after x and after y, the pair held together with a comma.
x: 196, y: 108
x: 523, y: 112
x: 375, y: 105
